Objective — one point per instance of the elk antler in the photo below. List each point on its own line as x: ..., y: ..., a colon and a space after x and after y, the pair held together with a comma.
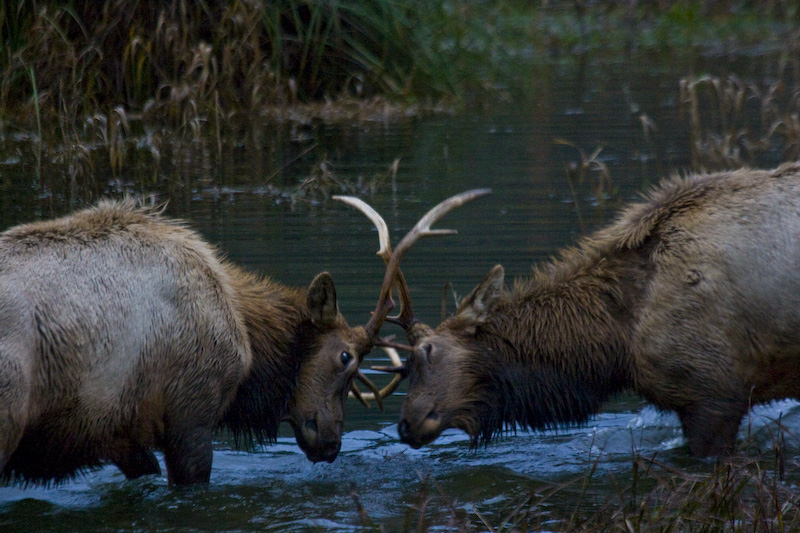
x: 379, y: 395
x: 385, y: 252
x: 394, y: 276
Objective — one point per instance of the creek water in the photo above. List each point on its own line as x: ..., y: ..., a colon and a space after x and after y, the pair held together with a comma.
x: 243, y: 201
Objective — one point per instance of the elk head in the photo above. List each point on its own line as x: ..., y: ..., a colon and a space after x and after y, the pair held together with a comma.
x: 448, y: 380
x: 414, y: 329
x: 305, y: 360
x: 316, y: 410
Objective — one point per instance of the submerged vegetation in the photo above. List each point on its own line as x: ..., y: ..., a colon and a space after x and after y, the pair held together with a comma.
x: 741, y: 493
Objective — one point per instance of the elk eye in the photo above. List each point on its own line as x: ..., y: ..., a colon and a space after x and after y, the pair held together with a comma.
x: 346, y: 357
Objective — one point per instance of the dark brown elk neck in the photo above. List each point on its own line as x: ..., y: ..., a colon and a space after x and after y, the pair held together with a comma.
x: 558, y: 345
x: 271, y: 311
x: 273, y: 316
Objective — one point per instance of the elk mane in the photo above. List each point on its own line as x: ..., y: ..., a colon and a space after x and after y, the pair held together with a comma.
x: 272, y: 314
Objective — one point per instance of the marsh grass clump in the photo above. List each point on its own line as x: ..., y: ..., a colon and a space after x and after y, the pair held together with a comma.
x: 753, y: 489
x: 210, y: 60
x: 738, y: 495
x: 323, y: 182
x: 180, y: 60
x: 733, y: 122
x: 89, y: 88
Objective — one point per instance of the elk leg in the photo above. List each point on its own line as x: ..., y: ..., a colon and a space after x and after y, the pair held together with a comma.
x: 9, y: 439
x: 137, y: 462
x: 710, y: 431
x: 13, y: 409
x: 188, y: 454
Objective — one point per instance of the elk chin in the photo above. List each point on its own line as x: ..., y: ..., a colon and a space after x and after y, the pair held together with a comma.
x: 319, y: 436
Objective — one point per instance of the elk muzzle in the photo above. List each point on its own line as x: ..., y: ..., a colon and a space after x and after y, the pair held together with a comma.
x: 419, y: 431
x: 320, y: 436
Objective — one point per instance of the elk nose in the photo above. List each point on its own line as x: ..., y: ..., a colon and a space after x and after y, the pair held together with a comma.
x: 404, y: 430
x: 311, y: 427
x: 322, y: 445
x: 407, y: 435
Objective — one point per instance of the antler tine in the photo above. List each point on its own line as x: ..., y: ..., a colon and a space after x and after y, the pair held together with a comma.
x: 355, y: 393
x: 421, y: 229
x: 399, y: 369
x: 389, y: 342
x: 376, y: 394
x: 385, y: 253
x: 406, y: 316
x: 383, y: 231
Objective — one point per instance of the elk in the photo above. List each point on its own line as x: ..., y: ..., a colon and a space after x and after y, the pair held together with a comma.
x: 122, y: 331
x: 691, y: 299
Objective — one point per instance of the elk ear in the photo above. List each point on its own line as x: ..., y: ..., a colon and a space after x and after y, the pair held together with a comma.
x: 321, y: 300
x: 480, y: 303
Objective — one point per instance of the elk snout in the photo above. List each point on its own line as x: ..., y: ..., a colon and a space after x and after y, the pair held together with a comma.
x: 418, y: 434
x: 320, y: 438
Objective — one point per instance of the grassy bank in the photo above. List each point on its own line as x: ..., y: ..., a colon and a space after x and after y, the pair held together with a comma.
x: 129, y: 86
x: 207, y: 61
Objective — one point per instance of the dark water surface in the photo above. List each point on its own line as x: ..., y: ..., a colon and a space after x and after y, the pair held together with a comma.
x: 534, y: 209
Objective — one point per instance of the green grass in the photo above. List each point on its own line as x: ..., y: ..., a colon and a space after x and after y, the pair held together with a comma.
x: 209, y: 60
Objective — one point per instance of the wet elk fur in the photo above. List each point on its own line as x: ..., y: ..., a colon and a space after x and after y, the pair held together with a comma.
x: 691, y: 299
x: 122, y: 331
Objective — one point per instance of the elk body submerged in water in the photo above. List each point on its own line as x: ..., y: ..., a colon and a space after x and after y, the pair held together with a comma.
x: 123, y: 331
x: 691, y: 299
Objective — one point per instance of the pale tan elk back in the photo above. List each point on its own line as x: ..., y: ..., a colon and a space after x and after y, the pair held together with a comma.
x: 116, y: 300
